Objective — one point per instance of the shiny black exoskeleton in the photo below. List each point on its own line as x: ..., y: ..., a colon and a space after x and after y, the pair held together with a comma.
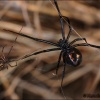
x: 71, y: 55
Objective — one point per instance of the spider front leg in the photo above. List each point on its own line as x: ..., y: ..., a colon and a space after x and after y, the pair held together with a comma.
x: 70, y: 28
x: 86, y: 44
x: 61, y: 20
x: 78, y: 39
x: 32, y: 38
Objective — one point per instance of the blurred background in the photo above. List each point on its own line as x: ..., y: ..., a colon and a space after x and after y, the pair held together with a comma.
x: 34, y: 77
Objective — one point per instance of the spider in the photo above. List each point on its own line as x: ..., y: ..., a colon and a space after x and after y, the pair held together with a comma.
x: 4, y: 61
x: 68, y: 51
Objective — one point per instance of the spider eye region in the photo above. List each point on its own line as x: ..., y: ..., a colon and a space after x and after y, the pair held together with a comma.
x: 73, y: 57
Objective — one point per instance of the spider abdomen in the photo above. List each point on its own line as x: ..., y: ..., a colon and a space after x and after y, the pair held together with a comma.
x: 73, y: 57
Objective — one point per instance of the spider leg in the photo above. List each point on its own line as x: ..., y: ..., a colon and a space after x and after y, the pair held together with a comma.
x: 61, y: 20
x: 63, y: 74
x: 11, y: 65
x: 70, y: 28
x: 14, y: 42
x: 78, y: 39
x: 32, y: 38
x: 86, y: 44
x: 3, y: 57
x: 67, y: 19
x: 35, y: 53
x: 48, y: 50
x: 58, y: 62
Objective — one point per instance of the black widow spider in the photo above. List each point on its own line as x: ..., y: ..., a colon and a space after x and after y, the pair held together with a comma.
x: 71, y: 55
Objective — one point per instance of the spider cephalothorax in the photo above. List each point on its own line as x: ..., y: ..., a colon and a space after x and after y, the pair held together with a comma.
x: 63, y: 44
